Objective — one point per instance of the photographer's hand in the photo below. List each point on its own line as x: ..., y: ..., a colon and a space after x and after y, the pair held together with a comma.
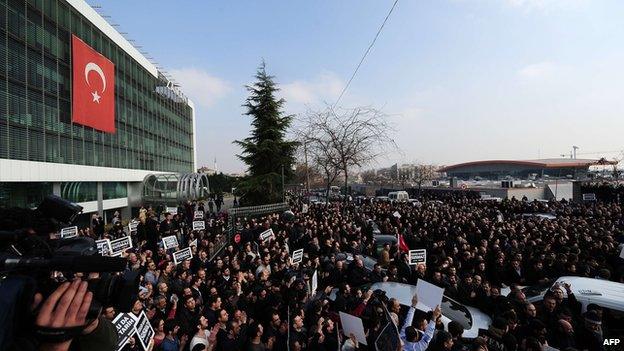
x: 66, y: 307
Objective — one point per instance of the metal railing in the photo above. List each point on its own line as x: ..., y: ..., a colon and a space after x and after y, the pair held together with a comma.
x: 222, y: 241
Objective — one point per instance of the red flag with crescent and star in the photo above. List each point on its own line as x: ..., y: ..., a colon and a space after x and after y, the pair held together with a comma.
x: 93, y: 88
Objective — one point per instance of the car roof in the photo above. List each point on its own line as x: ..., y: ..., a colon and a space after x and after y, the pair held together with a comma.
x: 400, y: 291
x: 599, y: 291
x: 385, y: 238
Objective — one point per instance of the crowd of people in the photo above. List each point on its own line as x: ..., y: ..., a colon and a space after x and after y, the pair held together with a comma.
x: 250, y: 296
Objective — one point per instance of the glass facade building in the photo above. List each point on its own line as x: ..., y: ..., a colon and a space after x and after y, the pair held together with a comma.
x: 154, y: 123
x: 43, y: 152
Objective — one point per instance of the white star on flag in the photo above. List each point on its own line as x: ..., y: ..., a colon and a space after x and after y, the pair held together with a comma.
x: 96, y: 97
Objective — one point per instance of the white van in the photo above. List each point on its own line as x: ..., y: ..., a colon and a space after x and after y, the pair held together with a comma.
x: 400, y: 196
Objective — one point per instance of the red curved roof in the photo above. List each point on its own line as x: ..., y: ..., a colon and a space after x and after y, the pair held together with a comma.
x: 546, y: 163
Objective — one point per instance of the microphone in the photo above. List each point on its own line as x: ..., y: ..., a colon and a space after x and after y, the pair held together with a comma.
x: 66, y: 263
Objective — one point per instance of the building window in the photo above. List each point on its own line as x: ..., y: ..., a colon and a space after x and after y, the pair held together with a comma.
x: 114, y: 190
x: 79, y: 191
x: 27, y: 195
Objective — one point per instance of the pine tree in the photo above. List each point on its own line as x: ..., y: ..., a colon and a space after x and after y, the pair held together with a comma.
x: 266, y: 152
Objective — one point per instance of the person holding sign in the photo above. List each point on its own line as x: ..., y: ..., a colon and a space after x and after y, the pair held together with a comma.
x: 413, y: 339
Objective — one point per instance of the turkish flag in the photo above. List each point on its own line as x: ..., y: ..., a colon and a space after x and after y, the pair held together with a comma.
x: 402, y: 244
x: 93, y: 88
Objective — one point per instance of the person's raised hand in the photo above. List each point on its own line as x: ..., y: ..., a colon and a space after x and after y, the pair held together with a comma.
x: 437, y: 312
x: 414, y: 300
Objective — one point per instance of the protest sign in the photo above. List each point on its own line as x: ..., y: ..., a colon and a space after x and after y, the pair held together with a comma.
x: 622, y: 252
x: 396, y: 214
x: 198, y: 215
x: 124, y: 324
x: 104, y: 247
x: 132, y: 226
x: 199, y: 225
x: 172, y: 210
x: 304, y: 208
x: 144, y: 331
x: 417, y: 257
x: 193, y: 243
x: 314, y: 283
x: 266, y: 235
x: 170, y: 242
x: 297, y: 256
x: 69, y: 232
x: 353, y: 325
x: 429, y: 295
x: 184, y: 254
x: 120, y: 245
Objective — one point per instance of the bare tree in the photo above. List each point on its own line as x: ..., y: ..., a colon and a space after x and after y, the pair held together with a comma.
x: 347, y: 138
x: 424, y: 173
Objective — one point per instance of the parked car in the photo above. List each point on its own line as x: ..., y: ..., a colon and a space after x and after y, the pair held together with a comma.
x: 381, y: 240
x: 369, y: 262
x: 398, y: 196
x: 472, y: 319
x: 540, y: 215
x: 605, y: 293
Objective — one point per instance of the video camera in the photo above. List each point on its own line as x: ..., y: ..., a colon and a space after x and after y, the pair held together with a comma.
x: 33, y: 259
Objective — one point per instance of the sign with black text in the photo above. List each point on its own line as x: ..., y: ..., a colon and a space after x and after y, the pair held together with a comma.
x: 297, y: 256
x: 124, y: 323
x: 184, y: 254
x: 589, y: 197
x: 104, y: 247
x: 266, y: 235
x: 144, y: 331
x: 69, y: 232
x: 172, y: 210
x: 169, y: 242
x: 120, y: 245
x: 199, y: 225
x: 417, y: 257
x: 198, y: 215
x: 132, y: 226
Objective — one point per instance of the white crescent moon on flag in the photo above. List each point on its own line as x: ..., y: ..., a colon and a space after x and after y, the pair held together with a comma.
x: 94, y: 67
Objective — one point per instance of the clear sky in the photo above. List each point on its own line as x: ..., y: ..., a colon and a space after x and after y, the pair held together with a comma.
x: 461, y: 79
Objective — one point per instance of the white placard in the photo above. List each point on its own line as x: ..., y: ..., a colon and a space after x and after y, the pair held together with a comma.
x: 417, y: 257
x: 297, y: 256
x: 429, y: 295
x: 104, y: 247
x: 69, y: 232
x: 120, y: 245
x: 132, y: 226
x: 397, y: 214
x: 589, y: 197
x: 353, y: 325
x: 144, y: 331
x: 172, y: 210
x: 125, y: 325
x: 314, y: 283
x: 193, y: 243
x: 198, y: 215
x: 169, y: 242
x: 266, y: 235
x: 199, y: 225
x: 184, y: 254
x: 304, y: 208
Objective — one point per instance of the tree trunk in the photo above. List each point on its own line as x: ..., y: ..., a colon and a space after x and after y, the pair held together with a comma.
x: 327, y: 190
x: 346, y: 185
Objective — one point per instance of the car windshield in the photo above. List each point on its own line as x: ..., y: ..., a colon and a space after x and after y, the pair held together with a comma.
x: 456, y: 312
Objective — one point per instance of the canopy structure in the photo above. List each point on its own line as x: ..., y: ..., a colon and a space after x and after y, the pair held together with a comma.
x: 172, y: 188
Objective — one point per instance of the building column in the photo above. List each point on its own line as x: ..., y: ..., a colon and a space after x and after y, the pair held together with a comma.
x: 100, y: 199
